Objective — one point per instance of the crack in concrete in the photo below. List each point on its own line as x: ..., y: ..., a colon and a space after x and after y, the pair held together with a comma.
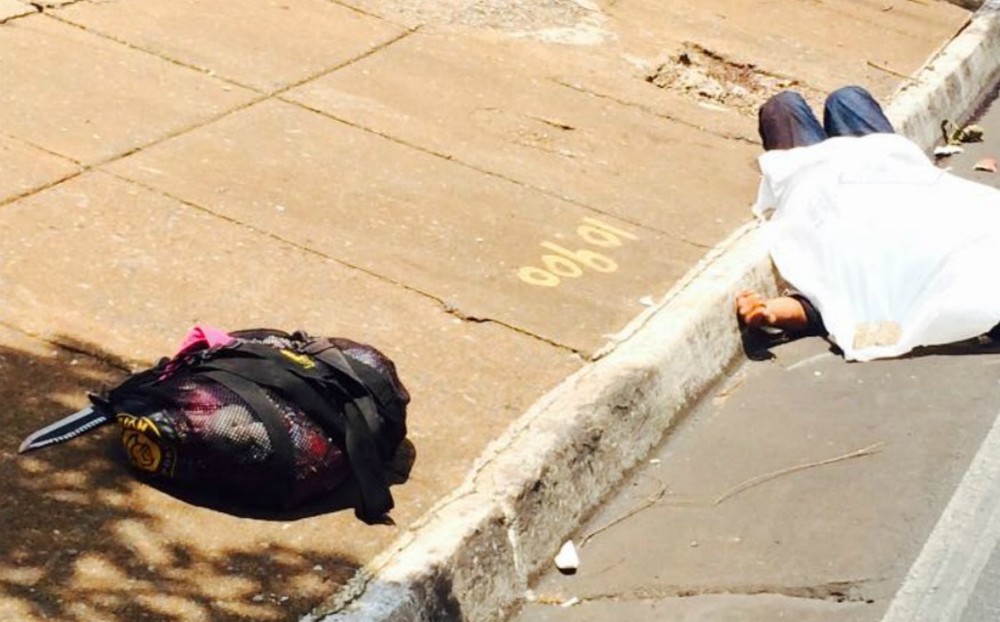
x: 847, y: 591
x: 98, y: 165
x: 212, y: 74
x: 451, y: 158
x: 277, y: 94
x: 68, y: 344
x: 261, y: 97
x: 28, y: 13
x: 9, y: 136
x: 444, y: 305
x: 361, y: 11
x: 367, y: 53
x: 173, y: 61
x: 41, y: 188
x: 110, y: 359
x: 655, y: 113
x: 455, y: 311
x: 42, y: 7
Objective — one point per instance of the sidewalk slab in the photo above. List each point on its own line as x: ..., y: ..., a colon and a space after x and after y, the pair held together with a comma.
x: 110, y: 98
x: 454, y: 234
x: 436, y: 92
x: 261, y: 44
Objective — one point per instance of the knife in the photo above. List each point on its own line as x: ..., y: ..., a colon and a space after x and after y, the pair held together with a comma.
x: 74, y: 425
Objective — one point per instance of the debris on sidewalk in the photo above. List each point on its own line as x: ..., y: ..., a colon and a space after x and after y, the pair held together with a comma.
x: 968, y: 134
x: 648, y: 503
x: 728, y: 390
x: 567, y: 561
x: 556, y: 599
x: 945, y: 151
x: 732, y: 492
x: 986, y: 164
x: 890, y: 71
x: 766, y: 477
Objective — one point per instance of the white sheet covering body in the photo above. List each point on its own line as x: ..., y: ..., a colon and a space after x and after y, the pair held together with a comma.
x: 894, y: 252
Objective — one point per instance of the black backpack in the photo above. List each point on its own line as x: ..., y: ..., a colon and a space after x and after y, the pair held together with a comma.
x: 273, y: 417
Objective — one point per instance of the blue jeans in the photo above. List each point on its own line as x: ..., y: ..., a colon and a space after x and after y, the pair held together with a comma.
x: 786, y: 121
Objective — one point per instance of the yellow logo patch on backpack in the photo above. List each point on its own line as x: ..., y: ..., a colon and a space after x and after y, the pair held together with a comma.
x: 144, y: 447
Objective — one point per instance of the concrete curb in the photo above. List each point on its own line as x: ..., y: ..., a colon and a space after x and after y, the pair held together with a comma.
x: 951, y: 81
x: 471, y: 557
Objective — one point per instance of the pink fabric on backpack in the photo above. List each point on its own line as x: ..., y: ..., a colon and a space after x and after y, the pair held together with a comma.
x: 201, y: 337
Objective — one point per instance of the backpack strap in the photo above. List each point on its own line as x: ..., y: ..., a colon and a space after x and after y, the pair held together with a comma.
x: 373, y: 441
x: 139, y: 394
x: 273, y: 421
x: 338, y: 402
x: 344, y: 375
x: 390, y: 424
x: 259, y: 333
x: 264, y: 366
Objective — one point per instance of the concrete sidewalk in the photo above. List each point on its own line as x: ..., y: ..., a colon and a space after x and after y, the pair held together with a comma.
x: 487, y: 192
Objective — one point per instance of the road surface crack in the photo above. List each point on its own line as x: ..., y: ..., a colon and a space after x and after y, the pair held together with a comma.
x: 846, y: 591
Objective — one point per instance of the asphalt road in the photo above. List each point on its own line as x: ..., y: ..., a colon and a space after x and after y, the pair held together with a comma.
x: 810, y: 489
x: 974, y: 578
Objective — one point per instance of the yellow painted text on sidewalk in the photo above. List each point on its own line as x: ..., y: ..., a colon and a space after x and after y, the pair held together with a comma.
x: 564, y: 263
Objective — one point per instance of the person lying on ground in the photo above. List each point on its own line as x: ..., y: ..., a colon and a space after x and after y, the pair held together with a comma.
x: 885, y: 251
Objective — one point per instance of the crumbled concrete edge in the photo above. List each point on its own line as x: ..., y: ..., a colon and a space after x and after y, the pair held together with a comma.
x: 473, y: 554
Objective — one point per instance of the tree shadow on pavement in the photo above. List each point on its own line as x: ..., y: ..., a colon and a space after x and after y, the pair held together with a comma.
x: 83, y: 540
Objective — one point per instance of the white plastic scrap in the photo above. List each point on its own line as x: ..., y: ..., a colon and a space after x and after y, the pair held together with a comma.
x: 943, y: 151
x: 986, y: 164
x: 567, y: 560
